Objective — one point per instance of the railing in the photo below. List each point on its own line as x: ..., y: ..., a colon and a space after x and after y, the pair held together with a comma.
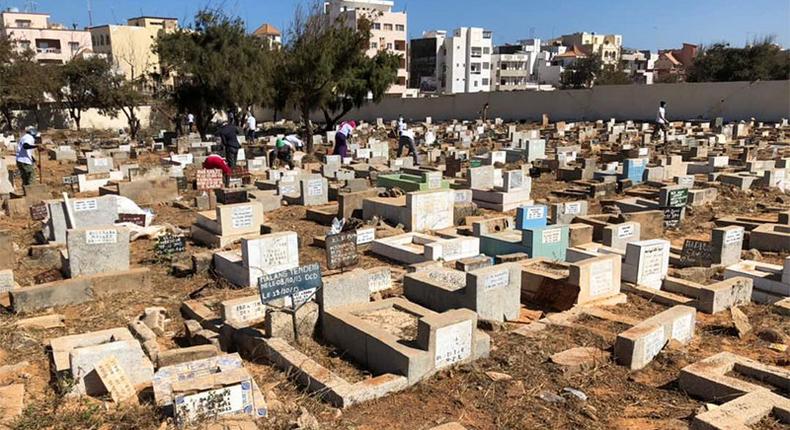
x: 48, y: 50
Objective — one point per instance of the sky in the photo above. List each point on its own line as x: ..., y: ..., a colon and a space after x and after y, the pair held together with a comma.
x: 644, y: 24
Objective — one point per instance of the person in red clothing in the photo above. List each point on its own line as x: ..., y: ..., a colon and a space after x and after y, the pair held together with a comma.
x: 214, y: 161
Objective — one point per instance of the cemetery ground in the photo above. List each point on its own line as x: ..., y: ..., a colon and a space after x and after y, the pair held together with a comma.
x: 518, y: 386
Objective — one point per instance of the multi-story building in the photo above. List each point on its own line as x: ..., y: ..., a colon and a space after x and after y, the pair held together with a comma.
x: 388, y: 32
x: 510, y: 68
x: 672, y: 64
x: 131, y: 47
x: 605, y: 46
x: 426, y: 62
x: 639, y: 65
x: 270, y: 34
x: 468, y: 61
x: 52, y: 43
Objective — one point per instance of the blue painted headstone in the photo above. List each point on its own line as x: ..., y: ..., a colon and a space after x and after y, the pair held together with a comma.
x: 634, y: 169
x: 531, y: 217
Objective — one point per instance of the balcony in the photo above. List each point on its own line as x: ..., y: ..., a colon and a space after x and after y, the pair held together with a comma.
x: 48, y: 50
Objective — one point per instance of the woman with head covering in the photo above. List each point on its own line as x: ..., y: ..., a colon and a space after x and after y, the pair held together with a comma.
x: 341, y: 138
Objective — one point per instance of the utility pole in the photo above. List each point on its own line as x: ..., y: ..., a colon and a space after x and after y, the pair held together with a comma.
x: 90, y: 14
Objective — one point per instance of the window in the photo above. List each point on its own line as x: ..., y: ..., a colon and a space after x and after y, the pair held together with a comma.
x: 374, y: 45
x: 400, y: 27
x: 486, y: 66
x: 74, y: 47
x: 22, y: 23
x: 24, y: 44
x: 486, y: 51
x: 376, y: 26
x: 485, y: 81
x: 387, y: 27
x: 476, y: 52
x: 389, y: 46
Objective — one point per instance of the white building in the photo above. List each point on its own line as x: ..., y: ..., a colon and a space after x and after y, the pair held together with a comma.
x: 639, y: 65
x: 388, y: 33
x: 468, y: 61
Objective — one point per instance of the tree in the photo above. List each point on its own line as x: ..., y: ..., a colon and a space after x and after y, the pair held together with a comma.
x: 84, y: 84
x: 218, y: 66
x: 581, y: 74
x: 762, y: 60
x: 611, y: 75
x: 125, y: 96
x: 325, y: 67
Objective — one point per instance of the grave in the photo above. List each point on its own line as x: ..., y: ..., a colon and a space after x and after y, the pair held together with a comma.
x: 173, y: 387
x: 566, y: 213
x: 395, y: 335
x: 646, y: 263
x: 771, y: 281
x: 228, y: 224
x: 561, y: 286
x: 492, y: 292
x: 77, y: 355
x: 259, y: 255
x: 417, y: 211
x: 95, y: 250
x: 412, y: 248
x: 637, y: 346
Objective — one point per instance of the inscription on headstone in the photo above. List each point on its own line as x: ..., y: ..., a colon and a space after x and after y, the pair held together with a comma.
x: 39, y: 212
x: 453, y: 343
x: 98, y: 237
x: 170, y: 244
x: 696, y: 253
x: 341, y: 250
x: 136, y: 219
x: 85, y: 205
x: 289, y: 282
x: 242, y: 217
x: 672, y: 216
x: 208, y: 179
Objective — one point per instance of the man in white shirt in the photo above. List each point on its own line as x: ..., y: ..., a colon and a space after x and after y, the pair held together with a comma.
x: 407, y: 139
x: 190, y: 121
x: 401, y: 125
x: 25, y: 160
x: 662, y: 124
x: 252, y: 124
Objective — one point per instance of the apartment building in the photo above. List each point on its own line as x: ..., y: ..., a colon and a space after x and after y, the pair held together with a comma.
x: 52, y: 43
x: 607, y: 47
x: 510, y: 68
x: 131, y: 47
x: 672, y: 64
x: 387, y: 34
x: 639, y: 65
x: 468, y: 61
x: 426, y: 62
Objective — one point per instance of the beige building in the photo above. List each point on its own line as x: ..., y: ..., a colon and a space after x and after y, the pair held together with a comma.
x: 388, y: 33
x: 52, y: 43
x: 607, y: 47
x: 131, y: 47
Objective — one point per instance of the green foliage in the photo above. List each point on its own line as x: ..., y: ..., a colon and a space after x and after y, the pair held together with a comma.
x: 83, y: 83
x: 218, y: 66
x: 580, y: 74
x: 611, y: 75
x: 324, y: 67
x: 125, y: 96
x: 763, y: 60
x: 23, y: 82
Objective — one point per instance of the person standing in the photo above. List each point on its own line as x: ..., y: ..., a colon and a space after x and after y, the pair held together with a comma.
x: 661, y: 120
x: 252, y: 124
x: 191, y: 122
x: 407, y: 139
x: 401, y: 125
x: 341, y: 138
x: 229, y: 136
x: 25, y: 160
